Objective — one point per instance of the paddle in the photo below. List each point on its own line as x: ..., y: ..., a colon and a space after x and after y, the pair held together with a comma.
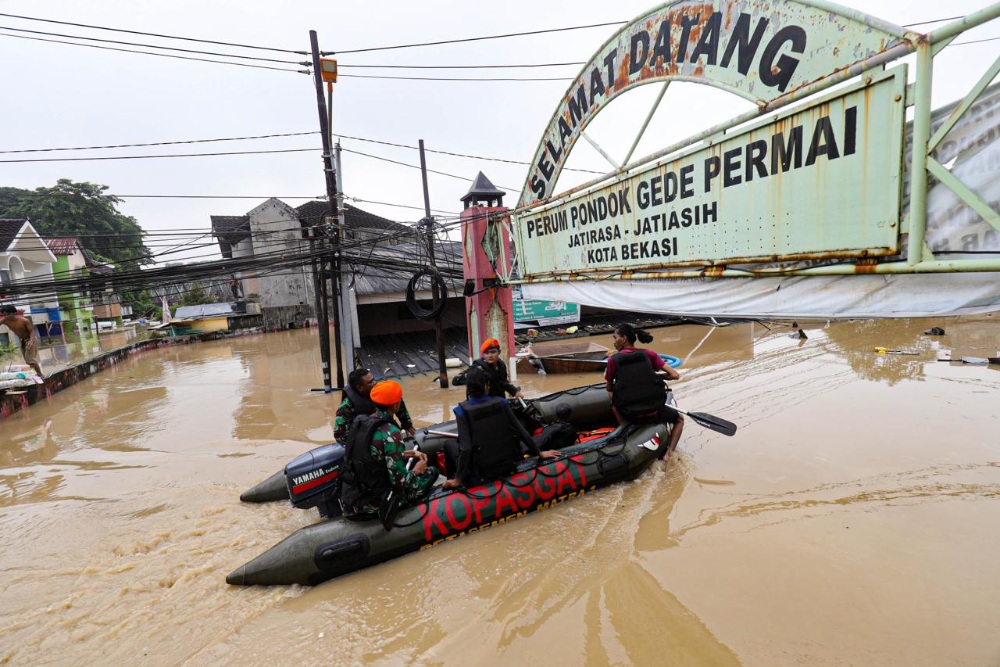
x: 390, y: 508
x: 709, y: 421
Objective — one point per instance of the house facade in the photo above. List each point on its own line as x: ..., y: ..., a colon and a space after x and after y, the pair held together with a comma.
x: 26, y: 259
x: 76, y: 307
x: 379, y: 257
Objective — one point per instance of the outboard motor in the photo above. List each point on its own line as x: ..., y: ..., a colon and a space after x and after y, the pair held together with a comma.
x: 314, y: 480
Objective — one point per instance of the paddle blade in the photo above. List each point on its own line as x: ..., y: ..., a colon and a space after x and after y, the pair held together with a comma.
x: 715, y: 423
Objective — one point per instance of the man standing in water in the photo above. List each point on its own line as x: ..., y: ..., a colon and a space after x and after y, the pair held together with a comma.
x: 22, y: 328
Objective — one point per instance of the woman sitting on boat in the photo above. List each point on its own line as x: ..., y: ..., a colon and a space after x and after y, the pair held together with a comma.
x: 490, y: 437
x: 496, y: 369
x: 638, y: 393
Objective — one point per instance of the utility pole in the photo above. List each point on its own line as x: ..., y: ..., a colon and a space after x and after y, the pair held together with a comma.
x: 348, y: 309
x: 428, y: 223
x: 329, y: 222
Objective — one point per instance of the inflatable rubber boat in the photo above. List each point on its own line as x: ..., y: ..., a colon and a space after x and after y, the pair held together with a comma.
x: 589, y: 409
x: 602, y: 454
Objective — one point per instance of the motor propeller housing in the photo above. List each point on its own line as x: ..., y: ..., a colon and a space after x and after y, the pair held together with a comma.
x: 313, y: 479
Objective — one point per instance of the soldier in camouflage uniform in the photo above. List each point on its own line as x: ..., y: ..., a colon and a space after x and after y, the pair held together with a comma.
x: 358, y: 402
x: 412, y: 485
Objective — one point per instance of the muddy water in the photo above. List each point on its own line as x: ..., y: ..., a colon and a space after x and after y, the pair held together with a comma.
x: 853, y: 519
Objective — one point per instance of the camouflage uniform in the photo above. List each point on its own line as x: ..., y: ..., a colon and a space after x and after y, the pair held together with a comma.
x: 387, y: 444
x: 346, y: 413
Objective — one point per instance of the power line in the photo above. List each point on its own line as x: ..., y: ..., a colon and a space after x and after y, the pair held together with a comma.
x: 411, y: 166
x: 152, y: 46
x: 445, y: 78
x: 123, y: 197
x: 162, y: 143
x: 473, y: 39
x: 524, y: 66
x: 147, y: 53
x: 382, y: 203
x: 950, y: 18
x: 153, y: 34
x: 521, y: 34
x: 270, y: 136
x: 461, y: 155
x: 152, y: 157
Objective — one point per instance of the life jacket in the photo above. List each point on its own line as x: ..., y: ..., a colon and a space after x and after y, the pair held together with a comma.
x: 497, y: 374
x: 495, y: 447
x: 362, y: 404
x: 363, y: 478
x: 637, y: 389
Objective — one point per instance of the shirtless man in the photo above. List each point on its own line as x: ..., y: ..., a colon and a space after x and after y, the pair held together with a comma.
x: 22, y: 329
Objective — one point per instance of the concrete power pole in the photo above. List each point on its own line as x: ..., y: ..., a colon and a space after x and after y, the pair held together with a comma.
x: 330, y: 225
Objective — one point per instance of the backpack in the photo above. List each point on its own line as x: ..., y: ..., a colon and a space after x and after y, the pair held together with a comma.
x: 556, y: 435
x: 363, y: 478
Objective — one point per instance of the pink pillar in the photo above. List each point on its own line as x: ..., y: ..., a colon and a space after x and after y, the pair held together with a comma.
x: 490, y: 313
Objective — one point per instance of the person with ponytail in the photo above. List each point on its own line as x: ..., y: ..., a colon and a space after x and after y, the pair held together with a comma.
x: 638, y: 393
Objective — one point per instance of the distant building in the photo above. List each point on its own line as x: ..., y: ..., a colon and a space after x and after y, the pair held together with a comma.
x: 25, y: 258
x: 380, y: 255
x: 76, y: 306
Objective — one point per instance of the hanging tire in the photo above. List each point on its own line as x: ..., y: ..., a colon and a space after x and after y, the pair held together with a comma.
x: 437, y: 305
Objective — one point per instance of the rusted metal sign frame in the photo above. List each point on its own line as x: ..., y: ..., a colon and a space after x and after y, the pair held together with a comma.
x: 919, y: 258
x: 804, y: 159
x: 771, y: 52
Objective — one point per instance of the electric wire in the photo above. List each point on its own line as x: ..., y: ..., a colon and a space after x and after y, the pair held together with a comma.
x: 153, y: 157
x: 162, y: 143
x: 473, y: 39
x: 273, y: 136
x: 152, y: 46
x: 153, y: 34
x: 405, y: 164
x: 520, y: 66
x: 160, y: 55
x: 477, y: 79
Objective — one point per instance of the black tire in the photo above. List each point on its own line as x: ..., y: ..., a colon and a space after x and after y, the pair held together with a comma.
x: 437, y: 305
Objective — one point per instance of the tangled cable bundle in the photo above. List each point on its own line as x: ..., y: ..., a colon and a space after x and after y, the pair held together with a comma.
x: 438, y: 288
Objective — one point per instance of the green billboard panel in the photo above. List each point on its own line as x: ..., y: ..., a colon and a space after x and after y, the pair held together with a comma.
x: 544, y: 313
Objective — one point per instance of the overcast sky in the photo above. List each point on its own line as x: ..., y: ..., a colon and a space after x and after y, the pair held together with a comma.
x: 58, y: 95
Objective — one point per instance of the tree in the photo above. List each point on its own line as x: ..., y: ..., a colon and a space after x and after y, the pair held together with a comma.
x: 194, y: 296
x: 81, y: 210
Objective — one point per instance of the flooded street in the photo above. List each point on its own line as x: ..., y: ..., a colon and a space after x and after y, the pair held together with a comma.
x: 851, y: 520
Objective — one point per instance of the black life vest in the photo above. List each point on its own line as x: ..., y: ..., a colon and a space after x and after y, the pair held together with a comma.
x: 362, y: 404
x: 364, y: 478
x: 495, y: 447
x: 498, y: 376
x: 637, y: 389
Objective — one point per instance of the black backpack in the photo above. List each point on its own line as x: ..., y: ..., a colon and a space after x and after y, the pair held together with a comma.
x: 364, y: 478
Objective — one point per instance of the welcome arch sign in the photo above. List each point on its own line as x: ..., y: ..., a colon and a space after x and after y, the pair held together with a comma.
x: 751, y: 196
x: 763, y: 51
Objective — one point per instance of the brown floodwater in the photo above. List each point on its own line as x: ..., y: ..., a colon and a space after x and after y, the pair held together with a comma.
x: 854, y: 519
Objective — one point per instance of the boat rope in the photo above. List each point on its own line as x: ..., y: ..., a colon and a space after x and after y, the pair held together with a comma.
x: 602, y: 450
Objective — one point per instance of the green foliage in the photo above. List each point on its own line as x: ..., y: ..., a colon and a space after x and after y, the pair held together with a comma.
x: 8, y: 350
x: 194, y: 296
x: 142, y: 302
x: 81, y: 210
